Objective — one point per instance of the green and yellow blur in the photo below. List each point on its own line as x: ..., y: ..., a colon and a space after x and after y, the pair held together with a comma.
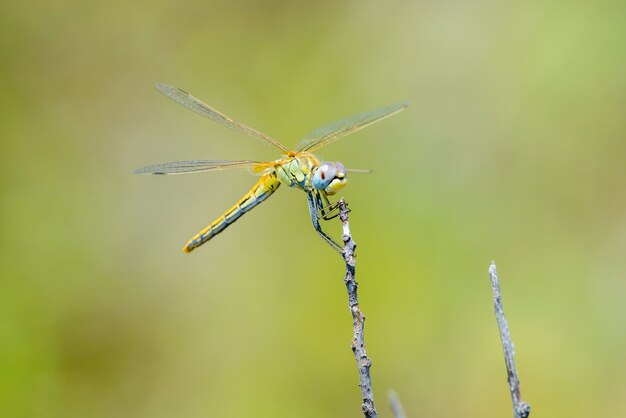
x: 513, y: 150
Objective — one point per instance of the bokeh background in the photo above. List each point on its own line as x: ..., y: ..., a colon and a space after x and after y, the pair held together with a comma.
x: 514, y: 150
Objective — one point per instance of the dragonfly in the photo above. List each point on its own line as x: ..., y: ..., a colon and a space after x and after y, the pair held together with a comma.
x: 298, y: 169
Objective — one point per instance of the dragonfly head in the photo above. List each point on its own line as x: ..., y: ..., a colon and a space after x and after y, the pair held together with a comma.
x: 330, y: 177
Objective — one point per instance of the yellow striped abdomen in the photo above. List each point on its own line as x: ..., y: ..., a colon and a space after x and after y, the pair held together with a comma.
x: 259, y: 192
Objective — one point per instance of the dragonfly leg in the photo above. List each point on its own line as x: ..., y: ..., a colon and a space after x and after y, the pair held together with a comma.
x: 314, y: 211
x: 331, y: 211
x: 327, y: 210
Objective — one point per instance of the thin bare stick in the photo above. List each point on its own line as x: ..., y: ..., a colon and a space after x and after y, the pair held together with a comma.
x: 520, y: 408
x: 395, y: 404
x: 358, y: 341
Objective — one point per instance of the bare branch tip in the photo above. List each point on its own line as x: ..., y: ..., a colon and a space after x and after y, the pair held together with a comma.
x: 520, y: 408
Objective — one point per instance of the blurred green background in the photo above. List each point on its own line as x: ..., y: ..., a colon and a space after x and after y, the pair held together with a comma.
x: 514, y: 150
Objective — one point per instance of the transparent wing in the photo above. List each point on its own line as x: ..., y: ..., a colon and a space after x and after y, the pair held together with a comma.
x: 329, y: 133
x: 187, y: 100
x: 197, y: 166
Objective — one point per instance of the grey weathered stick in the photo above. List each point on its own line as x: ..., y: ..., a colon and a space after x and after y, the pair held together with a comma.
x: 520, y: 408
x: 395, y: 404
x: 358, y: 341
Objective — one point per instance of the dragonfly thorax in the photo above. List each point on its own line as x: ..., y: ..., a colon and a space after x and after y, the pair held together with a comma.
x: 295, y: 171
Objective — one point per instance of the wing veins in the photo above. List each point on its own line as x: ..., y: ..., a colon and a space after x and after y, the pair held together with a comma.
x: 190, y: 102
x: 331, y: 132
x: 196, y: 166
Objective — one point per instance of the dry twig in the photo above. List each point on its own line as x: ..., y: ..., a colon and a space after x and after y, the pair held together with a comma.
x: 520, y: 408
x: 358, y: 341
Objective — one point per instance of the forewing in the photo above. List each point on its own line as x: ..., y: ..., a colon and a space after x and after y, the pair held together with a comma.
x: 187, y: 100
x: 197, y: 166
x: 329, y: 133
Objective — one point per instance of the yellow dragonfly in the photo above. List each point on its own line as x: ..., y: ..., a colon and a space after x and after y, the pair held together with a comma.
x: 300, y: 168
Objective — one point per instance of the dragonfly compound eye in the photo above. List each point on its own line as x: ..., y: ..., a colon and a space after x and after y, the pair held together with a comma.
x: 330, y: 177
